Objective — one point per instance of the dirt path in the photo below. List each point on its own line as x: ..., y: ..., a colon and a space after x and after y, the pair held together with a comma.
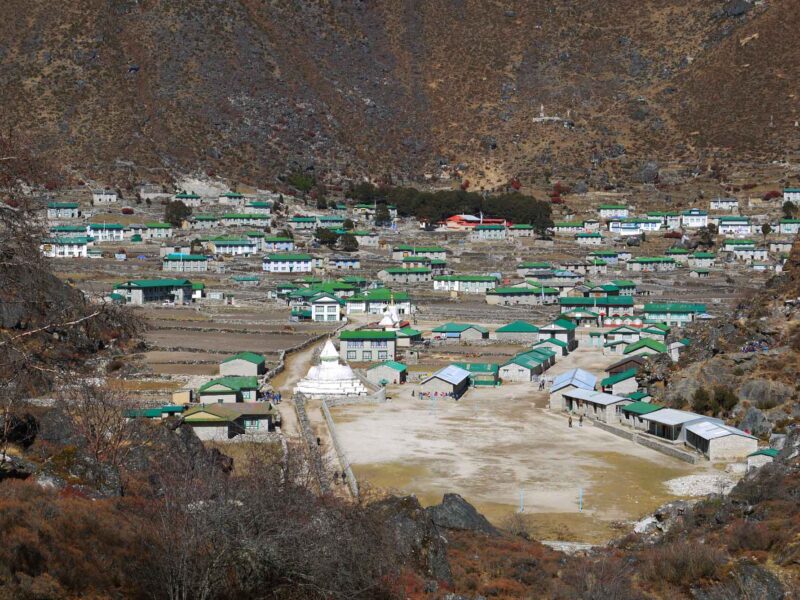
x: 296, y: 367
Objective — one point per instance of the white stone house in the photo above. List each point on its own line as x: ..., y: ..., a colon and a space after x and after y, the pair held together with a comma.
x: 612, y: 211
x: 158, y: 231
x: 401, y: 275
x: 467, y: 284
x: 367, y: 345
x: 233, y: 247
x: 789, y: 226
x: 594, y: 405
x: 694, y: 218
x: 101, y: 197
x: 185, y: 263
x: 589, y: 239
x: 66, y: 247
x: 243, y: 364
x: 729, y: 204
x: 791, y: 195
x: 106, y: 232
x: 285, y: 262
x: 141, y: 291
x: 326, y: 307
x: 245, y: 220
x: 63, y: 210
x: 486, y: 233
x: 736, y: 226
x: 565, y: 382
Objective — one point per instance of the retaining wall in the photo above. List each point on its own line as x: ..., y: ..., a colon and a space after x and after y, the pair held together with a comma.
x: 317, y: 464
x: 647, y: 442
x: 344, y: 462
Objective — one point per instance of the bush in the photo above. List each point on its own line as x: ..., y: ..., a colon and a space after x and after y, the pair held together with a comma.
x: 682, y: 563
x: 701, y: 401
x: 115, y: 365
x: 725, y: 399
x: 746, y: 535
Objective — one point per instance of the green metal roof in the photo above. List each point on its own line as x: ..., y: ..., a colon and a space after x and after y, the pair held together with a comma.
x: 368, y: 334
x: 392, y: 364
x: 674, y: 307
x: 771, y: 452
x: 489, y: 227
x: 534, y: 265
x: 484, y: 368
x: 654, y: 345
x: 518, y: 327
x: 521, y: 226
x: 287, y: 257
x: 512, y: 291
x: 641, y: 408
x: 380, y: 295
x: 602, y: 301
x: 250, y: 357
x: 466, y: 278
x: 552, y: 341
x: 152, y: 283
x: 158, y: 225
x: 235, y: 384
x: 244, y: 216
x: 106, y: 226
x: 63, y: 205
x: 67, y: 228
x: 408, y: 270
x: 185, y: 257
x: 458, y: 328
x: 622, y: 376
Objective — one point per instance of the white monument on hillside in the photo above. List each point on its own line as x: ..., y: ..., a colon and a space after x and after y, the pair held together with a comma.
x: 330, y: 378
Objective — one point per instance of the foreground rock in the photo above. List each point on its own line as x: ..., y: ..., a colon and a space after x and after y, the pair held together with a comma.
x: 456, y: 513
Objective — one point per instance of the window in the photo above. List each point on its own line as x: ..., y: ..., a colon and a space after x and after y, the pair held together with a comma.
x: 252, y: 424
x: 366, y: 355
x: 382, y: 355
x: 351, y: 355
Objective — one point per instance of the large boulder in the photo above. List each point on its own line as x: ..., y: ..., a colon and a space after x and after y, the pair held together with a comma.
x: 456, y: 513
x: 764, y: 393
x: 756, y: 422
x: 745, y: 580
x: 418, y: 540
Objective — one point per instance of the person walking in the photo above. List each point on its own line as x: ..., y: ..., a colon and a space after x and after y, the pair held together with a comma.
x: 580, y: 421
x: 570, y: 420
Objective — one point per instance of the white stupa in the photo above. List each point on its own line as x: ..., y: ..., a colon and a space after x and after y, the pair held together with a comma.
x: 330, y: 378
x: 391, y: 319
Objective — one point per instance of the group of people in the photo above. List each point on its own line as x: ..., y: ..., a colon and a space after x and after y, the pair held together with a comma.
x: 580, y: 421
x: 270, y: 396
x: 428, y: 395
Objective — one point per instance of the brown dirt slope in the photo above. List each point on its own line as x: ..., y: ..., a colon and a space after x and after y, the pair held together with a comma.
x: 246, y: 88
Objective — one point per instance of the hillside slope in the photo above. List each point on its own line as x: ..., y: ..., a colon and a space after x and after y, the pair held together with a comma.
x: 247, y: 88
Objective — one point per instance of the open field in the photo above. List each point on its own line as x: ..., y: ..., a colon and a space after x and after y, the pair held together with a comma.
x: 499, y: 447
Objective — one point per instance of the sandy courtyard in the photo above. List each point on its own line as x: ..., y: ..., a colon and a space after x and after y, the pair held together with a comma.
x: 499, y: 447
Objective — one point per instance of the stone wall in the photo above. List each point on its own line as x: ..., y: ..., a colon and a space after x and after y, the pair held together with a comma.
x: 344, y: 461
x: 317, y: 464
x: 648, y: 442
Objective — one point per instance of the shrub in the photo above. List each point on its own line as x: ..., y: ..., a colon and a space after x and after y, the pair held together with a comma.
x: 682, y: 563
x: 725, y: 399
x: 746, y: 535
x: 701, y: 401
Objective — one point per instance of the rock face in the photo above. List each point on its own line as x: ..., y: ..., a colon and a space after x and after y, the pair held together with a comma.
x: 456, y: 513
x: 756, y: 423
x: 745, y: 581
x: 417, y: 538
x: 764, y: 393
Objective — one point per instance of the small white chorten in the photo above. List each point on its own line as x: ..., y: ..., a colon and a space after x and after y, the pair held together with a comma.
x: 330, y: 378
x: 390, y: 320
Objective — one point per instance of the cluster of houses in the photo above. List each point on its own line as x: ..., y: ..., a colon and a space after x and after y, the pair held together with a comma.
x: 617, y: 400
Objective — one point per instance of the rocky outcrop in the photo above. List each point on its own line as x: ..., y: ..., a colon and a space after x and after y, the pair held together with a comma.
x: 417, y: 538
x: 756, y: 423
x: 456, y: 513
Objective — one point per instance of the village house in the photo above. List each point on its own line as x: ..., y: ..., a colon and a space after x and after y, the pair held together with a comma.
x: 389, y: 372
x: 651, y: 263
x: 632, y: 414
x: 325, y: 307
x: 480, y: 374
x: 729, y: 204
x: 246, y: 280
x: 677, y: 348
x: 103, y: 197
x: 620, y: 384
x: 188, y: 198
x: 520, y: 230
x: 612, y: 211
x: 245, y: 220
x: 376, y: 301
x: 709, y: 436
x: 573, y: 379
x: 229, y: 389
x: 622, y: 333
x: 780, y: 246
x: 277, y: 244
x: 789, y: 226
x: 518, y: 331
x: 702, y: 259
x: 791, y: 195
x: 525, y: 269
x: 223, y: 422
x: 460, y: 332
x: 367, y: 345
x: 732, y: 245
x: 141, y: 291
x: 589, y: 239
x: 203, y: 221
x: 568, y: 227
x: 63, y: 210
x: 609, y: 306
x: 673, y: 313
x: 433, y: 252
x: 699, y: 273
x: 301, y: 223
x: 694, y: 218
x: 231, y: 199
x: 634, y: 226
x: 258, y: 207
x: 158, y: 231
x: 165, y: 249
x: 403, y: 275
x: 644, y: 347
x: 185, y: 263
x: 449, y: 381
x: 286, y: 262
x: 343, y: 262
x: 66, y: 247
x: 544, y: 294
x: 106, y: 232
x: 367, y: 239
x: 561, y: 330
x: 467, y: 284
x: 611, y: 257
x: 737, y: 226
x: 598, y: 406
x: 510, y: 296
x: 469, y: 222
x: 232, y: 246
x: 750, y: 253
x: 486, y: 233
x: 680, y: 255
x: 670, y: 220
x: 761, y: 457
x: 243, y: 364
x: 523, y: 367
